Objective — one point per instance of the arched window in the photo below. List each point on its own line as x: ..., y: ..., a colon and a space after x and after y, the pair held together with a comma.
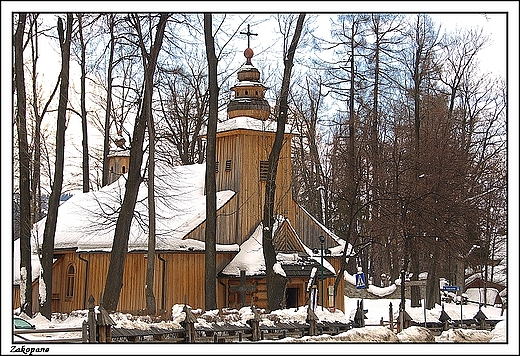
x: 123, y: 169
x: 71, y: 276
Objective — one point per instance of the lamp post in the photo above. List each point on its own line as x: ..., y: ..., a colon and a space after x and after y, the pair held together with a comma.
x: 322, y: 241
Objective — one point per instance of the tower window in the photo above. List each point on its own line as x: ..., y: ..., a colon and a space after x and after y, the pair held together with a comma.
x: 264, y: 168
x: 123, y: 169
x: 246, y: 92
x: 112, y: 169
x: 71, y: 276
x: 228, y: 165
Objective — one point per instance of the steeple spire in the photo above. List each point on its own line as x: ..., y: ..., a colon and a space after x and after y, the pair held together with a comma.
x: 249, y: 91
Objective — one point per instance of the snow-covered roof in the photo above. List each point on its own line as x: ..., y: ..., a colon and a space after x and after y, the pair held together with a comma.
x: 248, y: 123
x: 248, y: 83
x: 119, y: 153
x: 250, y: 258
x: 87, y: 221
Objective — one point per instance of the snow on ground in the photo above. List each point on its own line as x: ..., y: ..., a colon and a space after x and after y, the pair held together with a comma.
x: 368, y: 339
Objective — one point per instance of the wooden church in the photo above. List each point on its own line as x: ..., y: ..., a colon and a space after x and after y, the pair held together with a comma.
x: 307, y: 252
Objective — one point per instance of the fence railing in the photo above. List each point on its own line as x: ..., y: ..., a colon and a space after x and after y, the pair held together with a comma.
x: 83, y: 329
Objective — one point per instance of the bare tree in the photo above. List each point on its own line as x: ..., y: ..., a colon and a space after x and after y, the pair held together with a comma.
x: 114, y: 277
x: 47, y: 253
x: 23, y: 152
x: 310, y: 179
x: 150, y: 265
x: 210, y: 295
x: 275, y: 281
x: 108, y: 111
x: 184, y: 106
x: 83, y: 113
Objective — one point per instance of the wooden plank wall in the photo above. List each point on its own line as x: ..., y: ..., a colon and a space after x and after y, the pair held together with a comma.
x: 16, y: 297
x: 189, y: 265
x: 245, y: 149
x: 259, y: 297
x: 226, y: 225
x: 132, y: 298
x: 308, y: 230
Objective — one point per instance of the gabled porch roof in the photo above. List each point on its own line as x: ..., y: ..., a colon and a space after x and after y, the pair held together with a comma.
x: 293, y: 256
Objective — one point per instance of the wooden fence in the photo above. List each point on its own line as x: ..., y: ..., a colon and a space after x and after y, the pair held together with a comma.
x: 224, y: 333
x: 83, y: 338
x: 99, y: 328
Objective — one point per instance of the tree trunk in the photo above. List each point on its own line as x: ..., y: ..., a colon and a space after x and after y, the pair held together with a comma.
x: 36, y: 211
x: 380, y: 263
x: 106, y: 139
x: 150, y: 265
x: 210, y: 295
x: 276, y: 282
x: 23, y: 153
x: 114, y: 280
x: 85, y: 164
x: 432, y: 283
x: 54, y: 199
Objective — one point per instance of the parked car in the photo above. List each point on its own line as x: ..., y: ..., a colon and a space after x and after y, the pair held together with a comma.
x: 19, y: 323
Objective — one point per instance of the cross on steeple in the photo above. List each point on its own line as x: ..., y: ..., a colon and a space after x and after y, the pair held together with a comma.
x: 248, y: 34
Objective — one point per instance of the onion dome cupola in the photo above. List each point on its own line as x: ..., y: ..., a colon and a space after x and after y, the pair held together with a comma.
x: 118, y: 159
x: 249, y: 92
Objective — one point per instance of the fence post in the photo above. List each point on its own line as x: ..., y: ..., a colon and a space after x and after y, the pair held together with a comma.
x: 480, y: 318
x: 92, y: 337
x: 444, y: 319
x: 189, y: 324
x: 311, y: 319
x: 391, y: 316
x: 84, y: 331
x: 104, y: 323
x: 255, y: 325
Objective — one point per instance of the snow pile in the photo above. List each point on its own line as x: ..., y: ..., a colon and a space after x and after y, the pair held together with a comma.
x: 416, y: 334
x: 379, y: 291
x: 464, y: 335
x: 499, y: 332
x: 369, y: 334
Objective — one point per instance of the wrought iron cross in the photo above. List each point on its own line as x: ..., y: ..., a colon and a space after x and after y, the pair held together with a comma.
x: 248, y: 34
x: 242, y: 288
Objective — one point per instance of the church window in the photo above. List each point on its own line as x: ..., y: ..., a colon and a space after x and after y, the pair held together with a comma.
x: 246, y: 92
x: 123, y: 169
x: 71, y: 276
x: 264, y: 168
x: 112, y: 169
x: 228, y: 165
